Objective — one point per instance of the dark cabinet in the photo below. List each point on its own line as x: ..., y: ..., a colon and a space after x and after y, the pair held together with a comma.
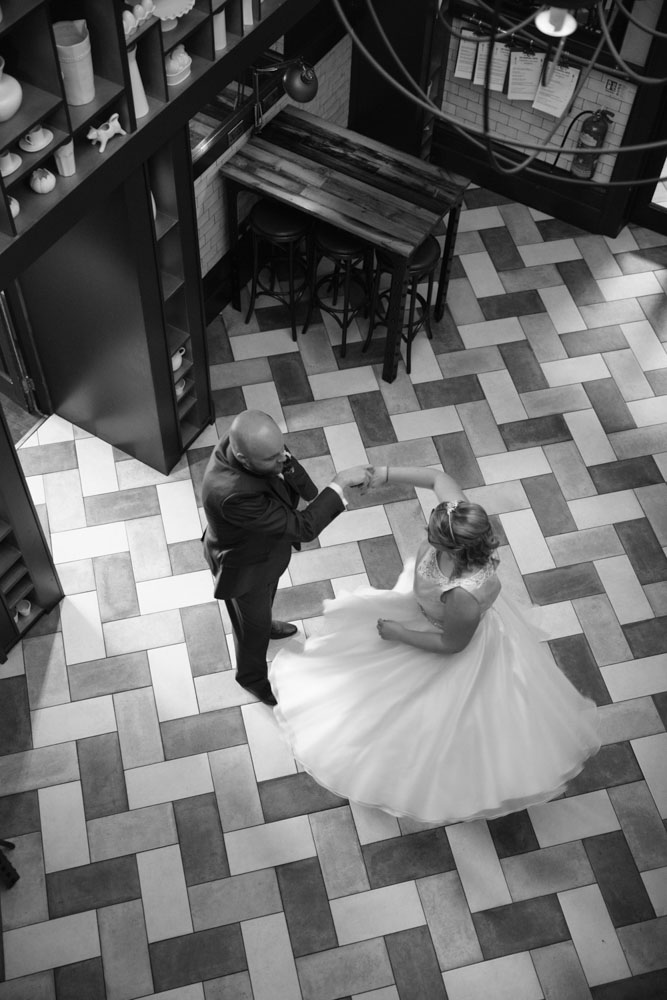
x: 29, y: 586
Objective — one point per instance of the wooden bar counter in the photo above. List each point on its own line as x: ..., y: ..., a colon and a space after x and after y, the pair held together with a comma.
x: 386, y: 197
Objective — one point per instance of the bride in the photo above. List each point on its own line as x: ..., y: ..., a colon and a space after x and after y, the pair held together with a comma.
x: 435, y: 700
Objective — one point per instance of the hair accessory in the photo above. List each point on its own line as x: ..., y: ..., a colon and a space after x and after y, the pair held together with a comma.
x: 450, y: 507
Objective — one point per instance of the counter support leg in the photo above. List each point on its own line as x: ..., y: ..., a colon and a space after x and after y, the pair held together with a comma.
x: 447, y: 255
x: 395, y: 310
x: 233, y: 229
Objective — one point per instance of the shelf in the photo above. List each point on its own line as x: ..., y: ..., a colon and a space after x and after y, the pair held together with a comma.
x: 19, y: 591
x: 90, y: 114
x: 164, y: 224
x: 170, y: 284
x: 5, y: 529
x: 25, y: 621
x: 8, y: 556
x: 35, y: 107
x: 175, y: 338
x: 186, y: 25
x: 33, y: 160
x: 186, y: 402
x: 12, y: 577
x: 182, y: 370
x: 14, y: 10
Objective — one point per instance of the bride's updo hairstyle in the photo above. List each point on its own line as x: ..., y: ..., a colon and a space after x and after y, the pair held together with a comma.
x: 464, y: 531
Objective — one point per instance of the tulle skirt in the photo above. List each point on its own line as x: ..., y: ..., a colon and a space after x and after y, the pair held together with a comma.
x: 436, y: 737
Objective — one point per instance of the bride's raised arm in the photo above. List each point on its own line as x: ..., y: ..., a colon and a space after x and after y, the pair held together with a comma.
x: 442, y: 484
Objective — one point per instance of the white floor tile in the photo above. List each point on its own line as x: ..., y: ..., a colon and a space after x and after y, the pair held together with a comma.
x: 513, y: 465
x: 562, y: 309
x: 635, y: 678
x: 171, y: 779
x: 473, y: 219
x: 76, y: 720
x: 388, y: 910
x: 55, y: 429
x: 82, y: 628
x: 97, y: 466
x: 268, y: 845
x: 178, y: 508
x: 651, y: 754
x: 426, y: 423
x: 373, y: 824
x: 164, y: 893
x: 61, y: 941
x: 345, y: 446
x: 649, y: 411
x: 593, y: 934
x: 575, y: 370
x: 127, y: 635
x: 586, y: 815
x: 235, y: 786
x: 86, y: 543
x: 502, y: 396
x: 648, y: 350
x: 478, y: 865
x: 353, y: 525
x: 173, y: 686
x: 133, y: 474
x: 527, y: 541
x: 549, y: 253
x: 623, y: 589
x: 591, y: 512
x: 172, y: 592
x: 148, y: 548
x: 342, y: 383
x: 271, y: 757
x: 63, y: 499
x: 264, y: 396
x: 492, y: 331
x: 656, y: 887
x: 270, y: 959
x: 482, y: 274
x: 63, y: 825
x: 510, y: 978
x: 262, y: 345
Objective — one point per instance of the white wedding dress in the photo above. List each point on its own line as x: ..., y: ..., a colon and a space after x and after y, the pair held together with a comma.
x: 437, y: 737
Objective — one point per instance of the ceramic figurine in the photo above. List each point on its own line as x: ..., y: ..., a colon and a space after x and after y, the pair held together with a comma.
x: 42, y: 180
x: 129, y: 22
x: 105, y: 131
x: 11, y: 94
x: 177, y: 65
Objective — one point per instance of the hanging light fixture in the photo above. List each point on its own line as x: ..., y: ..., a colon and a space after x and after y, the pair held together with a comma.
x: 299, y: 82
x: 556, y: 22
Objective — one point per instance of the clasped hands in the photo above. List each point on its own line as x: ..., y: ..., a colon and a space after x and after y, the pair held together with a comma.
x: 361, y: 477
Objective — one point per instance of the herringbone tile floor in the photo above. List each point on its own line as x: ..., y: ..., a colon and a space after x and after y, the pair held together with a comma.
x: 167, y: 844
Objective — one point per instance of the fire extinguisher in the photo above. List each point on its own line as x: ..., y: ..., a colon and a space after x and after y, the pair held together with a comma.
x: 592, y: 136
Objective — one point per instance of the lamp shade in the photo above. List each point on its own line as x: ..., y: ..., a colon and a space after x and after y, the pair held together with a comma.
x: 300, y: 82
x: 556, y: 22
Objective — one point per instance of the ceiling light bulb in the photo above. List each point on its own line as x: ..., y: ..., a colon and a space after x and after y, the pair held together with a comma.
x: 556, y: 22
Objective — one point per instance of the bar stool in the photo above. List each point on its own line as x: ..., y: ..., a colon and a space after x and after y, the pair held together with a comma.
x: 421, y: 267
x: 352, y: 268
x: 283, y: 229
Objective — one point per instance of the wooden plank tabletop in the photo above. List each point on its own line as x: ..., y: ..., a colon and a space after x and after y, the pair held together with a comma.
x: 371, y: 190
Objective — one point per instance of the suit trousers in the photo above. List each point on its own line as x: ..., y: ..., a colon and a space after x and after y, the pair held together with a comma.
x: 250, y: 615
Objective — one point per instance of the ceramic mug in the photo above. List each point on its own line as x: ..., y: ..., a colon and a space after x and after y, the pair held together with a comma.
x: 180, y: 387
x: 177, y: 359
x: 64, y: 157
x: 36, y: 138
x: 23, y: 608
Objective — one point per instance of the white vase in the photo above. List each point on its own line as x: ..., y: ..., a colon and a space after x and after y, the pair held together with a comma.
x: 11, y: 94
x: 138, y: 92
x: 220, y: 31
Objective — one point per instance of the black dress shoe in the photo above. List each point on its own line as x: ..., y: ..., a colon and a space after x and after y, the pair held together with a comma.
x: 261, y: 691
x: 282, y: 630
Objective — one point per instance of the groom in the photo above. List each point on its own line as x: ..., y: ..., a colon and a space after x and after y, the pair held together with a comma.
x: 251, y: 489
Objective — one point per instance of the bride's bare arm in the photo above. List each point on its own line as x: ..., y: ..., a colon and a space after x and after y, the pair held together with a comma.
x: 442, y: 484
x: 461, y: 616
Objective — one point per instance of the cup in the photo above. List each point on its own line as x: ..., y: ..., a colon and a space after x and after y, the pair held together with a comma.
x: 36, y: 138
x: 23, y: 608
x: 180, y: 387
x: 64, y: 157
x: 9, y: 162
x: 177, y: 359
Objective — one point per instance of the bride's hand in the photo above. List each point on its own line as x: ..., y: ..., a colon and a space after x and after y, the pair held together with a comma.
x: 390, y: 630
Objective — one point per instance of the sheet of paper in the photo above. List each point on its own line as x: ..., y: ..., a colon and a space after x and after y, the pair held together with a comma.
x: 501, y: 55
x: 465, y: 59
x: 554, y: 99
x: 524, y: 75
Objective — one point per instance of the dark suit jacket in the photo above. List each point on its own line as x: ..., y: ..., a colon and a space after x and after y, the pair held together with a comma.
x: 253, y: 521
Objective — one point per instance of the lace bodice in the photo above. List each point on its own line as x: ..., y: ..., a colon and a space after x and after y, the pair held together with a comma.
x: 430, y: 583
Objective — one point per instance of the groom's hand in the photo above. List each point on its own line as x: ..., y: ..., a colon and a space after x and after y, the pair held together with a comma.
x: 358, y: 475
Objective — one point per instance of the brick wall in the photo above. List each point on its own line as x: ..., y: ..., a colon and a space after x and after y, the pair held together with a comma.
x: 332, y: 101
x: 517, y: 119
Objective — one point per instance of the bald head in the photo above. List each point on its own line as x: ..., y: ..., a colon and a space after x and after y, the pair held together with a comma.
x: 257, y: 442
